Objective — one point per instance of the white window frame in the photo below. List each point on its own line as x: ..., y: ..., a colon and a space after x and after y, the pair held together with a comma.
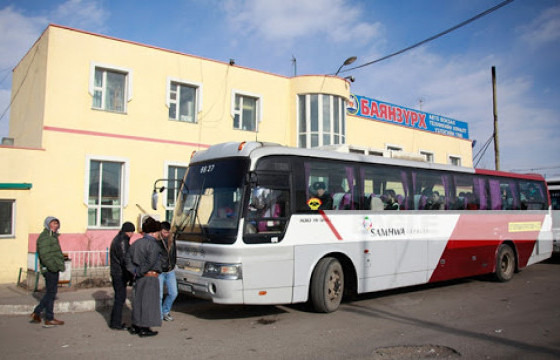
x: 428, y: 154
x: 13, y: 233
x: 198, y: 94
x: 124, y: 184
x: 107, y: 67
x: 259, y: 110
x: 166, y: 166
x: 320, y: 133
x: 450, y: 158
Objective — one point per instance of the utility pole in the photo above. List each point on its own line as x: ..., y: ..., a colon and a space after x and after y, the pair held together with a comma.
x: 496, y: 142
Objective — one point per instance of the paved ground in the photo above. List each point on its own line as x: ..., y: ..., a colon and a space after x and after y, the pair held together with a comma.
x: 15, y: 300
x: 467, y: 319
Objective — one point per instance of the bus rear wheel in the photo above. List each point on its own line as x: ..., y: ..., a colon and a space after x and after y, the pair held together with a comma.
x: 505, y: 263
x: 327, y: 285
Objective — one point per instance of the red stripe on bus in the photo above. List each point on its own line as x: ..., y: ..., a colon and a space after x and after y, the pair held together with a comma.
x: 329, y: 223
x: 473, y: 245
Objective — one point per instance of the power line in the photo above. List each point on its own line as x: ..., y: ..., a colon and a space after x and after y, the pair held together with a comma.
x: 541, y: 168
x: 482, y: 151
x: 20, y: 85
x: 484, y: 13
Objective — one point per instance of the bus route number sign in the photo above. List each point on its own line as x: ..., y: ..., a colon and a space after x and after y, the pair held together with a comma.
x: 207, y: 169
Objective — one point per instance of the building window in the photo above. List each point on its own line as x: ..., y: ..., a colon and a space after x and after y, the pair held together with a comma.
x: 321, y: 120
x: 454, y: 160
x: 175, y: 174
x: 7, y: 218
x: 247, y: 110
x: 183, y: 100
x: 428, y: 155
x: 110, y: 88
x: 106, y: 195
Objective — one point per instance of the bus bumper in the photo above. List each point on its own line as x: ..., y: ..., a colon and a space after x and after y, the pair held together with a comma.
x: 220, y: 291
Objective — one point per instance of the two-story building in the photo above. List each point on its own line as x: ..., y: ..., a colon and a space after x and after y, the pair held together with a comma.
x: 95, y: 121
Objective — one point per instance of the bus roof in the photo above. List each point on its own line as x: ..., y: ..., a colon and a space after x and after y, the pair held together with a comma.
x: 537, y: 177
x: 256, y: 150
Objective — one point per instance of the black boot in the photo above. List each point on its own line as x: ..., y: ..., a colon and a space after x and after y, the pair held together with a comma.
x: 133, y: 329
x: 146, y: 331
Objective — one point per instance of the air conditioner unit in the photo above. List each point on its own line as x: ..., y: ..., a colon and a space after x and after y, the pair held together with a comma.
x: 143, y: 217
x: 407, y: 156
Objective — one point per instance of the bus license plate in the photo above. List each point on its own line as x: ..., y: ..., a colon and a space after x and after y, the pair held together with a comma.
x: 194, y: 266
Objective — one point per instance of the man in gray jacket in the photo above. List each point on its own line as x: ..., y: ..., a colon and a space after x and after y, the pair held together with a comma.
x: 145, y: 265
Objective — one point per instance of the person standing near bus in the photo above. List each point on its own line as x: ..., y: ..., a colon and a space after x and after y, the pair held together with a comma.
x: 119, y: 273
x: 52, y: 263
x: 145, y: 265
x: 167, y: 277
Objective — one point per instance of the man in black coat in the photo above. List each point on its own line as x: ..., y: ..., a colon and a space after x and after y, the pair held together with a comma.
x: 119, y: 274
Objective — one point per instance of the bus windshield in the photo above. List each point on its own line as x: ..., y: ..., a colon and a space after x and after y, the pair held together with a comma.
x: 209, y: 203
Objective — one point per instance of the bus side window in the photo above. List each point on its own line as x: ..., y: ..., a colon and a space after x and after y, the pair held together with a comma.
x: 497, y: 198
x: 384, y: 188
x: 268, y: 208
x: 532, y: 195
x: 432, y: 190
x: 327, y: 185
x: 479, y: 200
x: 464, y: 188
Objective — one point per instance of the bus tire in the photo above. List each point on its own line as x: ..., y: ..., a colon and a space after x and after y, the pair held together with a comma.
x: 505, y: 263
x: 327, y: 285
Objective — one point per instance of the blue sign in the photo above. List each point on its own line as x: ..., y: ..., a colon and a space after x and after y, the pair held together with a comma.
x: 379, y: 110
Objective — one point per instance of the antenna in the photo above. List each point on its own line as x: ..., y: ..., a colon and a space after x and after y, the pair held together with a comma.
x: 294, y: 64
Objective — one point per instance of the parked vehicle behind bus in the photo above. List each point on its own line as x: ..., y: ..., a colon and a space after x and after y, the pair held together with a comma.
x: 554, y: 189
x: 259, y: 223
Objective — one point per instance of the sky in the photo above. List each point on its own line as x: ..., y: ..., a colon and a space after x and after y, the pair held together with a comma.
x: 450, y: 76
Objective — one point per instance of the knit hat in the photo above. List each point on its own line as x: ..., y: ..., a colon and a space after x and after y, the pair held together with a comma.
x: 150, y: 225
x: 128, y: 227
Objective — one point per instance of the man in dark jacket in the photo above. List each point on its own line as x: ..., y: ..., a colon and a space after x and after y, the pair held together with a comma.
x: 167, y: 277
x: 145, y: 265
x: 119, y: 273
x: 52, y: 263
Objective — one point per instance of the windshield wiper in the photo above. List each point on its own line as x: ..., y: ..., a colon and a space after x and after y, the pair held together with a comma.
x: 194, y: 211
x: 181, y: 226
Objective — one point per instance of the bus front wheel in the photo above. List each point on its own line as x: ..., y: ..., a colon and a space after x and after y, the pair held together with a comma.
x: 505, y: 263
x: 327, y: 285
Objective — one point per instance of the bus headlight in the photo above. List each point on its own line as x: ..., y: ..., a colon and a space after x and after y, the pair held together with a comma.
x: 222, y: 271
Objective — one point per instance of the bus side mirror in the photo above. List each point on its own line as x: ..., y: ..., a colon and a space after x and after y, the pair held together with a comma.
x: 154, y: 199
x: 155, y: 195
x: 160, y: 189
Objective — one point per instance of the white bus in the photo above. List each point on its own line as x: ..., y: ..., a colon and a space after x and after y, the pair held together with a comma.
x: 554, y: 189
x: 260, y: 223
